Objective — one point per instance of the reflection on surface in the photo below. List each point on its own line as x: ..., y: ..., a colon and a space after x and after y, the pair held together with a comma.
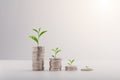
x: 21, y: 70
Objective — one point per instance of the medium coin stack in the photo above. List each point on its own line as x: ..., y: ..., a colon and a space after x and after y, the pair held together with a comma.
x: 70, y: 68
x: 38, y: 58
x: 55, y: 64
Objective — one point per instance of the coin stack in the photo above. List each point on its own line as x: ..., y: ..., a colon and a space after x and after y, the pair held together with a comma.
x: 38, y: 58
x: 55, y: 64
x: 70, y: 68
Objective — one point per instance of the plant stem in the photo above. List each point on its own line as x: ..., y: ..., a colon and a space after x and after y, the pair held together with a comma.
x: 38, y: 40
x: 55, y: 56
x: 37, y: 44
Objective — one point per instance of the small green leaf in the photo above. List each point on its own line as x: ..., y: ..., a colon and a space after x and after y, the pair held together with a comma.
x: 58, y: 51
x: 69, y: 60
x: 53, y: 56
x: 34, y: 38
x: 56, y: 48
x: 36, y: 30
x: 69, y: 64
x: 42, y: 33
x: 72, y: 61
x: 53, y: 50
x: 87, y: 67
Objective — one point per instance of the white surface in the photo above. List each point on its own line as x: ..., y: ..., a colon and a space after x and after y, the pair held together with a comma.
x: 21, y: 70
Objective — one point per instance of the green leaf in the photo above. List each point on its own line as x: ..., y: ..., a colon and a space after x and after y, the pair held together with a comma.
x: 42, y: 33
x: 58, y: 51
x: 69, y: 64
x: 53, y: 56
x: 53, y: 50
x: 34, y: 38
x: 36, y: 30
x: 87, y: 67
x: 72, y: 61
x: 56, y: 48
x: 69, y: 60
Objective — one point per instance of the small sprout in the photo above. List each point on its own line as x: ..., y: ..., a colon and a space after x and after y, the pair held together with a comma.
x: 39, y: 34
x: 56, y: 52
x: 87, y: 67
x: 71, y: 61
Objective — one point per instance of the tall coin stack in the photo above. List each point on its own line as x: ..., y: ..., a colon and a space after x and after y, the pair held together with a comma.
x: 55, y: 64
x: 38, y: 58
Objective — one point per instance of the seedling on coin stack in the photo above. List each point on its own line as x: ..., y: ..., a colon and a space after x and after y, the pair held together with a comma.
x: 55, y: 63
x: 38, y: 51
x: 70, y: 66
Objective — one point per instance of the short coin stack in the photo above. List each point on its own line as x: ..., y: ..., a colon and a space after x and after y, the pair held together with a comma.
x: 38, y: 58
x: 55, y: 64
x: 70, y: 68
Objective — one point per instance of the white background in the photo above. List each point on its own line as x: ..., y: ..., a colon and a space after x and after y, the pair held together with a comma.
x: 83, y: 29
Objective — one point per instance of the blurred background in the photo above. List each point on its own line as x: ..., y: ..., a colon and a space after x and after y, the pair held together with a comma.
x: 83, y: 29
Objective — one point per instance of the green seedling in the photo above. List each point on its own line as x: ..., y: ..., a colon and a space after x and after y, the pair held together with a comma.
x: 87, y: 68
x: 39, y: 34
x: 56, y: 52
x: 71, y: 61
